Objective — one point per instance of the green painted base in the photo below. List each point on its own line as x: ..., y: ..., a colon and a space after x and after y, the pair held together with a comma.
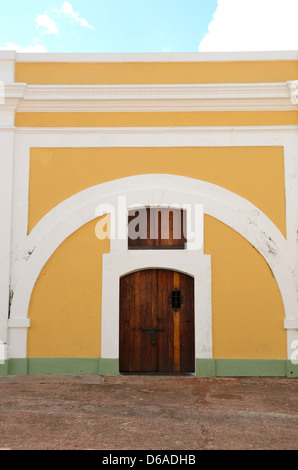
x: 63, y: 366
x: 102, y: 366
x: 245, y: 368
x: 3, y: 368
x: 108, y: 366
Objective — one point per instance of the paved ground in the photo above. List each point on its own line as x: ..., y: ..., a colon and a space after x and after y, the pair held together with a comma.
x: 147, y: 413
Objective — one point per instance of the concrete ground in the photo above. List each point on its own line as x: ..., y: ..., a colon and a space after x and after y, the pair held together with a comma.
x: 147, y: 413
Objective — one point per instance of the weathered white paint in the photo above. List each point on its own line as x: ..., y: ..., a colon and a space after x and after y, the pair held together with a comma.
x: 3, y: 352
x: 6, y: 181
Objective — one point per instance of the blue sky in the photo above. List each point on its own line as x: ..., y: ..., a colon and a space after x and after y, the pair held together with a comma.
x: 148, y: 25
x: 109, y: 26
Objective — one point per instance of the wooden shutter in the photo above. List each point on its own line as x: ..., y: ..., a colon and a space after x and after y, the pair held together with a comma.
x: 156, y: 228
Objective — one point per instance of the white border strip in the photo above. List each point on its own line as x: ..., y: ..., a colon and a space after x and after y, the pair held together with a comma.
x: 155, y: 57
x: 198, y: 133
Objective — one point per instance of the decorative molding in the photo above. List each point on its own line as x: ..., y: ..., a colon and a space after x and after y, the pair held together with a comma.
x: 149, y: 98
x: 293, y: 86
x: 8, y: 104
x: 15, y: 91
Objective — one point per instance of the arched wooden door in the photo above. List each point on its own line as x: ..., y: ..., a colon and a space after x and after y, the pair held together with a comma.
x: 157, y: 322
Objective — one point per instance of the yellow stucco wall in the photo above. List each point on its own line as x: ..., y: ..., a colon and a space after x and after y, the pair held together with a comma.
x: 247, y: 308
x: 162, y: 119
x: 153, y: 72
x: 65, y: 306
x: 255, y: 173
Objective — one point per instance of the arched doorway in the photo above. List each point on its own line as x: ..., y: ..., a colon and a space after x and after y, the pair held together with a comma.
x: 157, y: 322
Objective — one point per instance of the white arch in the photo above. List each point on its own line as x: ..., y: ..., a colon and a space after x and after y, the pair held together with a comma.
x: 71, y: 214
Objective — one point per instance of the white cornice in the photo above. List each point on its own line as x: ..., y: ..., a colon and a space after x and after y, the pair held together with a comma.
x: 293, y: 86
x: 13, y: 93
x: 144, y: 98
x: 155, y: 57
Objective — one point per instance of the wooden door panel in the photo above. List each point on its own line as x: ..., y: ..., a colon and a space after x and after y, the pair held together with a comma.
x: 187, y: 340
x: 165, y: 338
x: 146, y: 292
x: 154, y: 336
x: 137, y: 313
x: 127, y: 336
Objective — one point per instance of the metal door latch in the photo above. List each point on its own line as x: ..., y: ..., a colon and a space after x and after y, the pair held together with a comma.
x: 152, y: 331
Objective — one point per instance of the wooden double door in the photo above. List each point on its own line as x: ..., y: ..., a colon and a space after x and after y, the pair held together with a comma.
x: 157, y: 322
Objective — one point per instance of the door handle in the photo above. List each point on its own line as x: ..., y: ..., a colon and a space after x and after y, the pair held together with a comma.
x: 152, y: 331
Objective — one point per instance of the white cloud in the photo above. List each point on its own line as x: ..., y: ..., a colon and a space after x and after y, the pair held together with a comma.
x: 46, y: 22
x: 16, y: 47
x: 68, y: 11
x: 252, y: 25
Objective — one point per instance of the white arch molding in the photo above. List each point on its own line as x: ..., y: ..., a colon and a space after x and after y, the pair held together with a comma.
x: 71, y: 214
